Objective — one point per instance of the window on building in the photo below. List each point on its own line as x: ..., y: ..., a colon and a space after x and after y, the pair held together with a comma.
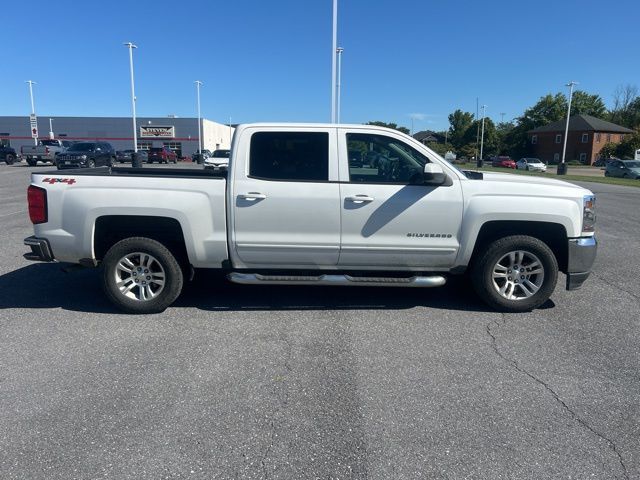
x: 290, y: 156
x: 585, y: 137
x: 621, y: 137
x: 556, y: 157
x: 598, y: 135
x: 583, y: 158
x: 608, y: 137
x: 558, y: 138
x: 382, y: 159
x: 144, y: 145
x: 534, y: 139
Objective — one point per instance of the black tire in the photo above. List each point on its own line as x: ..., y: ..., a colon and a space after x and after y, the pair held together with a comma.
x: 606, y: 174
x: 112, y: 162
x: 91, y: 163
x: 173, y: 276
x: 482, y: 274
x: 9, y: 159
x: 32, y: 163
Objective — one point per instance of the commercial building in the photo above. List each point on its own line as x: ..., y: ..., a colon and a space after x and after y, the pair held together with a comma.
x: 179, y: 134
x: 587, y: 136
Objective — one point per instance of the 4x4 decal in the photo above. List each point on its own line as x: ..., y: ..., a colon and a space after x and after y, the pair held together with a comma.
x: 51, y: 181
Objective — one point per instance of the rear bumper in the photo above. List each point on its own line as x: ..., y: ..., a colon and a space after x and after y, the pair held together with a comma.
x: 582, y: 254
x: 40, y: 250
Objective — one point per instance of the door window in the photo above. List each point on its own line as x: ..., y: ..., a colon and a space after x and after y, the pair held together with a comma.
x: 290, y: 156
x: 381, y: 159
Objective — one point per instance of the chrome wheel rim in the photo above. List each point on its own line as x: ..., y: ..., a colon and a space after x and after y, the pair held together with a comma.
x: 518, y: 275
x: 139, y: 276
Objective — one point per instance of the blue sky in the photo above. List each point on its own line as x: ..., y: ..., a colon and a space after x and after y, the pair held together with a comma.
x: 271, y: 60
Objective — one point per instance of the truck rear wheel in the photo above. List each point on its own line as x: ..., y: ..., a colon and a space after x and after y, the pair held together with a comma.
x: 515, y: 274
x: 32, y: 163
x: 9, y: 159
x: 141, y: 275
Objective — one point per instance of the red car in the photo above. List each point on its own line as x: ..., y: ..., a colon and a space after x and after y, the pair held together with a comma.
x: 504, y: 162
x: 162, y: 155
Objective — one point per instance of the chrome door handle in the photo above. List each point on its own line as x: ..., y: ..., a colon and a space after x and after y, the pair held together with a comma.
x: 252, y: 196
x: 360, y: 198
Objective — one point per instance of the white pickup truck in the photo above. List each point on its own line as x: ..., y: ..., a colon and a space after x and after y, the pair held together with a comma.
x: 316, y: 205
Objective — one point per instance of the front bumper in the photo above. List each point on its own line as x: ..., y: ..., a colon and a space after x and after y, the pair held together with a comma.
x: 40, y: 249
x: 582, y: 254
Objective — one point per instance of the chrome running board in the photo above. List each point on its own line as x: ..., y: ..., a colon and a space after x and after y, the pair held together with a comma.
x: 338, y: 280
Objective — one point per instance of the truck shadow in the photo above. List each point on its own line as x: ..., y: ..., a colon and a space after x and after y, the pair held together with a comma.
x: 41, y: 286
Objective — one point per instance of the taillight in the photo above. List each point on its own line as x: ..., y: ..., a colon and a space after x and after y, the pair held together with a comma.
x: 37, y: 199
x: 46, y: 150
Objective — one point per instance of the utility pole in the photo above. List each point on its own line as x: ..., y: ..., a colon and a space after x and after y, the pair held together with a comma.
x: 33, y: 108
x: 334, y: 49
x: 339, y: 82
x: 131, y: 46
x: 482, y: 137
x: 198, y: 85
x: 562, y: 168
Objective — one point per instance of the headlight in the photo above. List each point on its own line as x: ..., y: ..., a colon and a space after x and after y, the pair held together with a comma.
x: 588, y: 213
x: 82, y: 157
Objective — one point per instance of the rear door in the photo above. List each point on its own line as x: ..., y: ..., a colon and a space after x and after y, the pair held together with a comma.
x: 390, y: 219
x: 286, y: 198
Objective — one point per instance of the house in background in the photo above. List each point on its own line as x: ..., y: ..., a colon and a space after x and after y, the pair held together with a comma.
x: 587, y: 136
x: 427, y: 136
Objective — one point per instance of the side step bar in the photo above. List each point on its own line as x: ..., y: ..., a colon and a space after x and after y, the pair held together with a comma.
x: 339, y: 280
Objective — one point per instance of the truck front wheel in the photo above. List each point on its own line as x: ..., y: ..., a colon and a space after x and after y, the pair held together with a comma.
x: 515, y: 274
x: 141, y: 275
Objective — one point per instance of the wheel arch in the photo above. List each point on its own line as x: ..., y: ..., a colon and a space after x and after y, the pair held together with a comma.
x: 110, y: 229
x: 553, y: 234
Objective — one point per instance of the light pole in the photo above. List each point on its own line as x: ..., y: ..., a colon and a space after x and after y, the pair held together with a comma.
x: 502, y: 114
x: 229, y: 131
x: 339, y: 51
x: 562, y: 168
x: 482, y: 135
x: 51, y: 135
x: 131, y: 46
x: 33, y: 108
x: 198, y: 85
x: 334, y: 49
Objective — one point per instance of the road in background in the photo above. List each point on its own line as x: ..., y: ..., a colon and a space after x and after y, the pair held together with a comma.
x: 298, y: 382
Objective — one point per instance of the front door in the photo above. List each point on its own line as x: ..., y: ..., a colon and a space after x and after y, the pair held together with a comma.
x: 286, y: 212
x: 389, y: 219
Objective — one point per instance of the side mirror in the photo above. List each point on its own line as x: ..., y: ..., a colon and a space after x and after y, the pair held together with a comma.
x: 433, y: 174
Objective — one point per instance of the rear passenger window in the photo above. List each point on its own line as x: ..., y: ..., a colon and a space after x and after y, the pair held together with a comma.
x: 300, y: 156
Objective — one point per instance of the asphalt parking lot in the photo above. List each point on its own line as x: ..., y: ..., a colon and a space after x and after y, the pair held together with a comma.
x: 294, y: 382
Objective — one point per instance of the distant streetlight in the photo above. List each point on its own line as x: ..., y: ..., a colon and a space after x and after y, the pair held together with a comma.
x: 339, y: 51
x: 334, y: 50
x: 33, y: 108
x: 198, y: 85
x: 131, y: 46
x: 502, y: 114
x: 51, y: 135
x: 482, y: 135
x: 562, y: 168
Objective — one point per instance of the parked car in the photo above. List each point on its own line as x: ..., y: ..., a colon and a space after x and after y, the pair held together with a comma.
x: 8, y: 155
x: 623, y: 168
x: 532, y: 164
x: 503, y: 161
x: 46, y: 151
x: 87, y: 154
x: 292, y: 211
x: 219, y: 160
x: 162, y: 155
x: 124, y: 156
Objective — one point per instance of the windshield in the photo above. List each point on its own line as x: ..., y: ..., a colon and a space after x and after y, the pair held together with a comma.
x: 49, y: 143
x: 632, y: 164
x: 533, y: 160
x: 221, y: 154
x: 82, y: 147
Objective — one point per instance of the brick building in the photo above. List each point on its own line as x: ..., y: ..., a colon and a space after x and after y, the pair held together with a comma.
x: 587, y: 136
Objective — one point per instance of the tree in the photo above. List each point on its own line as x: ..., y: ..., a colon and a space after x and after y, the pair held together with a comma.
x: 586, y: 104
x: 626, y: 106
x: 490, y: 146
x: 390, y: 125
x: 460, y: 122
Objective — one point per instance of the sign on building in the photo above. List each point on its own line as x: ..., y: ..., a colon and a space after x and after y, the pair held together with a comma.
x: 151, y: 131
